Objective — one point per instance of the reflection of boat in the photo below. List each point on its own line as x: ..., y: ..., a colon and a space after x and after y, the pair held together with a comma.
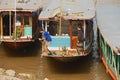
x: 108, y: 19
x: 16, y: 22
x: 64, y: 37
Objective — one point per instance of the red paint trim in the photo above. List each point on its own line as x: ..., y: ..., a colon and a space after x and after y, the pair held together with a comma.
x: 18, y: 39
x: 109, y: 69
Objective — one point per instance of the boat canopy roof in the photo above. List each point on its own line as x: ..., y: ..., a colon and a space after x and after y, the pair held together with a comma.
x: 108, y: 19
x: 70, y: 9
x: 19, y: 5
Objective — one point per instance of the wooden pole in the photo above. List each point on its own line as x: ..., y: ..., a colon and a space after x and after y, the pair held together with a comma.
x: 10, y: 23
x: 60, y: 17
x: 84, y: 33
x: 71, y: 33
x: 42, y: 25
x: 60, y: 23
x: 15, y: 20
x: 1, y: 27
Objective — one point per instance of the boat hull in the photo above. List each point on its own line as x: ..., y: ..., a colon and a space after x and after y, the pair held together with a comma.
x: 64, y: 58
x: 70, y: 58
x: 108, y: 69
x: 17, y: 44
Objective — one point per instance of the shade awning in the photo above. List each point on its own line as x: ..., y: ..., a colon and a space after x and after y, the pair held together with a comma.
x: 72, y: 9
x: 108, y: 19
x: 19, y: 5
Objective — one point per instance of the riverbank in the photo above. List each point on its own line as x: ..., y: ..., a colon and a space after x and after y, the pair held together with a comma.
x: 9, y: 74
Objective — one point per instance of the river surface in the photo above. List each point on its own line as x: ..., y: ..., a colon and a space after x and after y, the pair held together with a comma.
x: 29, y: 61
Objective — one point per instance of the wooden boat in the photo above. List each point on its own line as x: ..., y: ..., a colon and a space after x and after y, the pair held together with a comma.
x: 108, y: 18
x: 63, y: 20
x: 18, y: 22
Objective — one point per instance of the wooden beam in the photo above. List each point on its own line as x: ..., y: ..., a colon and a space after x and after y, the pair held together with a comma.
x: 71, y: 33
x: 1, y: 26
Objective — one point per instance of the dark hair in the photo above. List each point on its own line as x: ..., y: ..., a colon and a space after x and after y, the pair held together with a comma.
x: 80, y: 27
x: 41, y: 30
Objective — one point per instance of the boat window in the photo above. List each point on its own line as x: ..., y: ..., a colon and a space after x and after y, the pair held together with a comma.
x: 53, y: 28
x: 75, y: 24
x: 26, y: 20
x: 5, y: 23
x: 89, y: 32
x: 65, y: 28
x: 18, y: 20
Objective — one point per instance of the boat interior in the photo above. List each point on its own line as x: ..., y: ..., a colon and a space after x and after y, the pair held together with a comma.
x: 68, y: 39
x: 16, y: 22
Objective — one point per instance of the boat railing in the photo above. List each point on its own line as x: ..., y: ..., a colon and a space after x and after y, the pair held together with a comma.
x: 112, y: 59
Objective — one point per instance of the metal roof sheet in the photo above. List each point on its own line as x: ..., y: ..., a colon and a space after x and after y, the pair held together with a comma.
x: 20, y: 5
x: 71, y: 9
x: 108, y: 19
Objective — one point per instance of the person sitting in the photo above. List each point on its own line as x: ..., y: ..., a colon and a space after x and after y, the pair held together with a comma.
x: 80, y: 41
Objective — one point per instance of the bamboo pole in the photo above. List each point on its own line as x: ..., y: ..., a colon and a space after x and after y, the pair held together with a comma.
x: 15, y: 21
x: 60, y: 17
x: 60, y: 23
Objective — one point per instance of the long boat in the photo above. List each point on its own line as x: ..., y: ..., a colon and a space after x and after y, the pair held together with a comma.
x: 18, y: 22
x: 108, y: 20
x: 61, y: 19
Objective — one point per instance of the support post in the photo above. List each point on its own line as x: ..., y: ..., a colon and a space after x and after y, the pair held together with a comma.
x: 10, y: 23
x: 15, y: 21
x: 84, y: 33
x: 71, y: 33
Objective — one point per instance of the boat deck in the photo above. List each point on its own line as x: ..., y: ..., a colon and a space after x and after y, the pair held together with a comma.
x: 22, y: 39
x: 108, y: 20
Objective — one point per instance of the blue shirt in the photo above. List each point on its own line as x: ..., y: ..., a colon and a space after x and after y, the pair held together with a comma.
x: 47, y: 36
